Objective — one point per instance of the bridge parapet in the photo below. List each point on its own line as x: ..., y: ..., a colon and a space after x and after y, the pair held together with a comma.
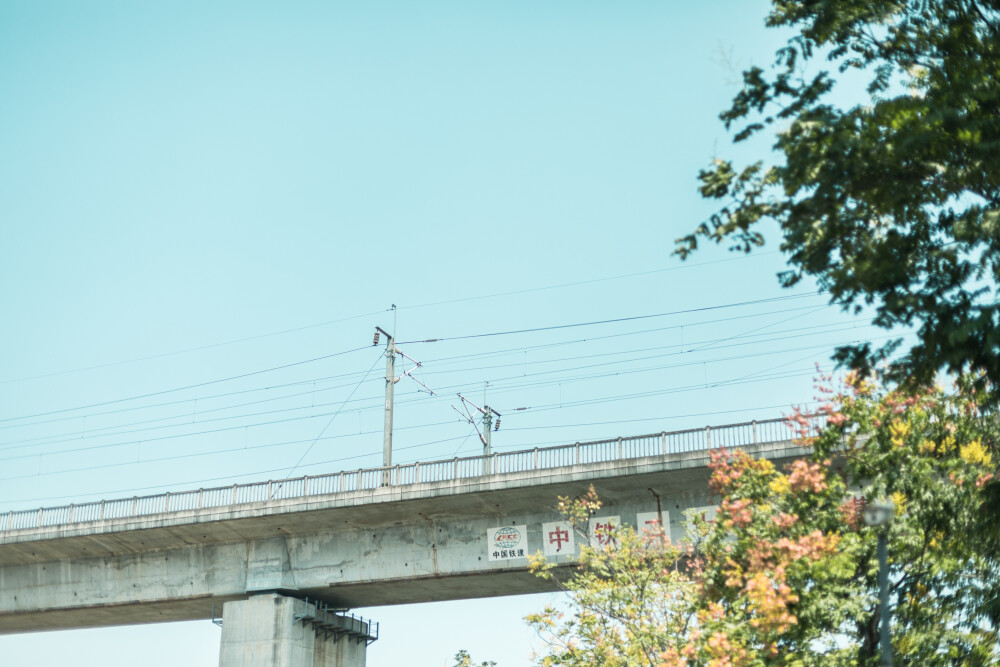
x: 458, y: 468
x: 345, y: 544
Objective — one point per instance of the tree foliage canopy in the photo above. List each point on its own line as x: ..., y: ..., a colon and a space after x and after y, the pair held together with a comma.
x: 463, y: 659
x: 786, y: 573
x: 894, y: 202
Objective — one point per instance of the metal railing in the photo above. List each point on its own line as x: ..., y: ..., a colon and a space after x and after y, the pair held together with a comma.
x: 335, y: 623
x: 597, y: 451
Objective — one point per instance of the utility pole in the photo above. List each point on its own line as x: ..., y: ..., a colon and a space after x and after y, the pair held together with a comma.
x: 390, y: 383
x: 484, y: 436
x: 487, y: 423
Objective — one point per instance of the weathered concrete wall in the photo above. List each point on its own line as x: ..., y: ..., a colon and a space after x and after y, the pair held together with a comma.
x: 268, y: 631
x: 262, y: 632
x: 393, y: 545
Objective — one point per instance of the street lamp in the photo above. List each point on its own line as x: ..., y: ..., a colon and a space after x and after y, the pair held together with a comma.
x: 878, y: 514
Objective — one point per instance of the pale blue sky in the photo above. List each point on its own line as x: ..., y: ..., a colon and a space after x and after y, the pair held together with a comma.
x: 180, y: 176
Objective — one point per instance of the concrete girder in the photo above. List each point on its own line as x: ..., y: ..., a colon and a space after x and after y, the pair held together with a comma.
x: 392, y: 545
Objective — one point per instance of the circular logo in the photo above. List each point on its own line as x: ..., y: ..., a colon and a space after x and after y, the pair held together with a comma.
x: 507, y: 537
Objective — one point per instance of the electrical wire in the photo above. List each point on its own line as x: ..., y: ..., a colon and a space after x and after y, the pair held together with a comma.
x: 497, y: 381
x: 255, y: 473
x: 637, y: 420
x: 722, y: 383
x: 464, y: 440
x: 531, y: 348
x: 645, y: 356
x: 586, y: 282
x: 184, y: 388
x: 216, y: 452
x: 372, y: 314
x: 106, y: 431
x: 814, y: 330
x: 194, y: 399
x: 610, y: 321
x: 316, y: 439
x: 585, y: 402
x: 186, y: 350
x: 323, y: 379
x: 651, y: 369
x: 372, y: 454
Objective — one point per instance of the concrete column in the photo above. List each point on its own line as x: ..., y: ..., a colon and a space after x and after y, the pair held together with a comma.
x: 346, y: 651
x: 263, y: 632
x: 341, y: 642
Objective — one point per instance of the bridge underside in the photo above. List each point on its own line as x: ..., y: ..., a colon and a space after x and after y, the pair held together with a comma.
x: 393, y: 545
x: 351, y: 596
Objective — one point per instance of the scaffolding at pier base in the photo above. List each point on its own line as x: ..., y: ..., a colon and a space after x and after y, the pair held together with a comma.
x: 335, y: 623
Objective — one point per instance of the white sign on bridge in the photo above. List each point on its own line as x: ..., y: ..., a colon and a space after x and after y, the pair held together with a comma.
x: 507, y: 542
x: 558, y: 538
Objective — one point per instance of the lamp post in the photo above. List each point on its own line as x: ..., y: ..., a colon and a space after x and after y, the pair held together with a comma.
x: 878, y: 514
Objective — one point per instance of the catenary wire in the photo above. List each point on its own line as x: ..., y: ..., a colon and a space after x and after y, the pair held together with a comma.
x: 585, y: 282
x: 190, y: 386
x: 616, y: 320
x: 374, y: 313
x: 9, y: 425
x: 531, y: 348
x: 481, y: 335
x: 149, y: 406
x: 203, y: 398
x: 566, y: 405
x: 403, y: 448
x: 498, y: 389
x: 814, y: 330
x: 107, y: 431
x: 316, y: 439
x: 186, y: 350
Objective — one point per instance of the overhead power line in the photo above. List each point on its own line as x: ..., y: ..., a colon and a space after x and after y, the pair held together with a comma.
x: 112, y: 492
x: 348, y: 318
x: 637, y: 420
x: 814, y: 330
x: 8, y: 420
x: 437, y: 362
x: 184, y: 388
x: 591, y: 281
x: 213, y: 452
x: 440, y: 361
x: 201, y: 398
x: 544, y: 408
x: 107, y: 433
x: 195, y: 417
x: 256, y: 473
x: 611, y: 321
x: 334, y: 416
x: 186, y: 350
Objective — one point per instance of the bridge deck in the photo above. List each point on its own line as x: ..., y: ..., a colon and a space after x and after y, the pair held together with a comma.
x: 370, y: 479
x: 409, y: 541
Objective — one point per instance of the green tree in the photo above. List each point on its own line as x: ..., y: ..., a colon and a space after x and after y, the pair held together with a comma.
x: 463, y: 659
x: 786, y: 573
x: 894, y: 202
x: 628, y: 601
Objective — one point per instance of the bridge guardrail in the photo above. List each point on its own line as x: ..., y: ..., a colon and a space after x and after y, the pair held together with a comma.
x: 596, y: 451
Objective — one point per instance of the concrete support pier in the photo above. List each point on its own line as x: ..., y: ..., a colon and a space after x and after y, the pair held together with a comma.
x: 272, y: 630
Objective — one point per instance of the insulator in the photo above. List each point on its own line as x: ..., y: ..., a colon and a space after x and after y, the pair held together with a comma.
x: 375, y: 341
x: 496, y: 426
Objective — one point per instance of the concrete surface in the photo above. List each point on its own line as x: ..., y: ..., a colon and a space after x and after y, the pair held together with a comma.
x: 392, y: 545
x: 270, y: 630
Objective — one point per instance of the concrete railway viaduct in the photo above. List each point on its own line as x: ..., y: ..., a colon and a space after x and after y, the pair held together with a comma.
x: 281, y: 561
